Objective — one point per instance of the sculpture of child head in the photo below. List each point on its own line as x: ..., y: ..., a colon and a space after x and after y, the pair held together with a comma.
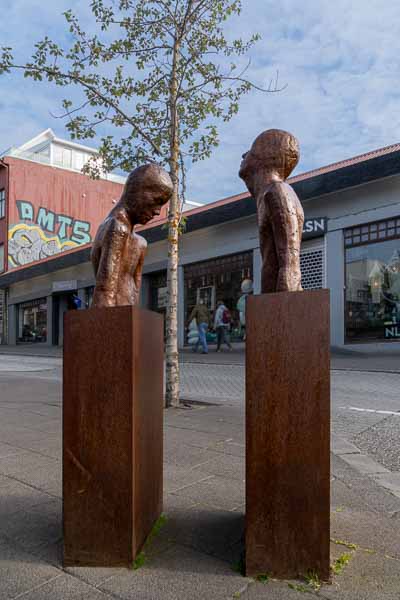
x: 146, y: 190
x: 273, y: 151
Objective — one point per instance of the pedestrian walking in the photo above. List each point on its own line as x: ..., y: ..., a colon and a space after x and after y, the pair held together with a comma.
x: 201, y: 315
x: 246, y: 288
x: 222, y: 323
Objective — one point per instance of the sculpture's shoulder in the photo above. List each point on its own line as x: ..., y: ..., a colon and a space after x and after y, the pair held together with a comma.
x: 278, y: 192
x: 278, y: 187
x: 114, y: 227
x: 140, y: 241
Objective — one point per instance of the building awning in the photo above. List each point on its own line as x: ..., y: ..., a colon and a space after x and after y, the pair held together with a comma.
x: 360, y: 170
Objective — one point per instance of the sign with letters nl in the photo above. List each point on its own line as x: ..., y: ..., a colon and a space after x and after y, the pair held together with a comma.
x: 391, y: 332
x: 314, y: 227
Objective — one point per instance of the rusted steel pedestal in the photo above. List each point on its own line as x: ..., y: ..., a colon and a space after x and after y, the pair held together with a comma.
x: 287, y: 434
x: 112, y: 433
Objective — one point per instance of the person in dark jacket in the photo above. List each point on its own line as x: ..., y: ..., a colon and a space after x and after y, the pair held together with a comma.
x: 202, y: 316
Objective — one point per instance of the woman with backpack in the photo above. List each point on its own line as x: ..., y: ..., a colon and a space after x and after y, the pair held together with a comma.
x: 222, y: 323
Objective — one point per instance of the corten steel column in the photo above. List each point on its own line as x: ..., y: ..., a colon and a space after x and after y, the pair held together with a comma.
x: 287, y: 434
x: 112, y: 433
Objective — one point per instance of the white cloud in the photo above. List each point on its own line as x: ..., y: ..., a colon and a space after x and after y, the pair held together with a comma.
x: 339, y: 61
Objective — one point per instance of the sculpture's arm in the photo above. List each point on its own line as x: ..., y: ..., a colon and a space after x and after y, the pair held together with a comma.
x: 139, y: 269
x: 286, y: 221
x: 109, y: 265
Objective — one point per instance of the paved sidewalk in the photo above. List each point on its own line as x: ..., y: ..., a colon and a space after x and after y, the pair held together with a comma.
x: 383, y: 358
x: 196, y: 555
x: 371, y: 357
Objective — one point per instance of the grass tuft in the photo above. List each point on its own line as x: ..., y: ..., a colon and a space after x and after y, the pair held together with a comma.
x: 348, y: 545
x: 263, y: 577
x: 340, y: 563
x: 313, y: 580
x: 141, y: 557
x: 239, y: 566
x: 139, y: 561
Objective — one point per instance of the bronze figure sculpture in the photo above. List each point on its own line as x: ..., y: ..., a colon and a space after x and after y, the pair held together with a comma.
x: 264, y: 168
x: 118, y: 252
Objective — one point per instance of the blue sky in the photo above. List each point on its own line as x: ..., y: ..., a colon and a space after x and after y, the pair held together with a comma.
x: 339, y: 61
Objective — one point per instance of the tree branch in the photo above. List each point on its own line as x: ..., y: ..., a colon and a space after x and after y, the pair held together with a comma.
x: 76, y: 79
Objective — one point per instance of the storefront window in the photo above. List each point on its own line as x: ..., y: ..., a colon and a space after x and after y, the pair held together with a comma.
x: 1, y: 258
x: 89, y: 291
x: 32, y: 321
x: 373, y: 284
x: 220, y: 279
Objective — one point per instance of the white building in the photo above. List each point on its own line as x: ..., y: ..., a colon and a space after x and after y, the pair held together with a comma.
x: 351, y: 245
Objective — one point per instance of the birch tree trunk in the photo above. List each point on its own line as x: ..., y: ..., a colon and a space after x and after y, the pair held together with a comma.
x: 171, y: 351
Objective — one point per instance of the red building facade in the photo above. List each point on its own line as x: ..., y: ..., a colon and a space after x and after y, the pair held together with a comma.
x: 49, y: 210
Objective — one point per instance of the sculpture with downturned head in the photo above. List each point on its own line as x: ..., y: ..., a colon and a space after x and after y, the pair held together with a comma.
x: 264, y: 168
x: 118, y: 252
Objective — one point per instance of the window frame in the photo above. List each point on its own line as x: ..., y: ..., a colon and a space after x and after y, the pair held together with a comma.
x: 389, y: 233
x: 3, y: 203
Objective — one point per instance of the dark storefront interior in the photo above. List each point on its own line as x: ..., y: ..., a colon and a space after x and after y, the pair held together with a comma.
x: 212, y: 280
x: 219, y: 279
x: 32, y: 321
x: 372, y: 311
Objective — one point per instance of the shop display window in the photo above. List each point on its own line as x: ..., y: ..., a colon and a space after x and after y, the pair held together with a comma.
x: 372, y: 295
x: 219, y: 279
x: 32, y: 321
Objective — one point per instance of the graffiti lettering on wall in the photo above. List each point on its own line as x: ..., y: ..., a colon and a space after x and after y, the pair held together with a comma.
x: 27, y: 243
x: 43, y: 234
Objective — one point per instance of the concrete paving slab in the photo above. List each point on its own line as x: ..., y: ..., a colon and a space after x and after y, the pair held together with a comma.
x: 174, y: 436
x: 275, y: 590
x: 371, y: 494
x: 35, y: 527
x: 364, y: 464
x: 230, y: 466
x: 50, y: 552
x: 65, y: 587
x: 344, y: 497
x: 94, y: 576
x: 340, y: 445
x: 207, y: 529
x: 188, y: 456
x: 221, y: 428
x: 366, y: 577
x: 178, y: 478
x: 20, y: 571
x: 16, y: 497
x: 219, y: 492
x: 206, y: 512
x: 26, y: 364
x: 33, y: 469
x: 47, y: 446
x: 367, y: 529
x: 181, y: 572
x: 230, y: 447
x: 390, y: 481
x: 7, y: 450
